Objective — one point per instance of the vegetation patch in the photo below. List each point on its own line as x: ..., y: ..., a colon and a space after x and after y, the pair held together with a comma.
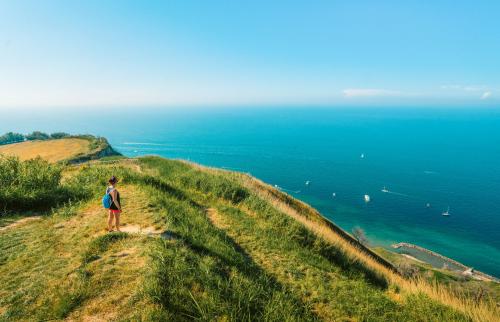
x: 230, y: 252
x: 31, y: 184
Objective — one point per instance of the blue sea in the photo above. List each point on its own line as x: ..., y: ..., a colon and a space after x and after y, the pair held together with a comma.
x: 441, y: 157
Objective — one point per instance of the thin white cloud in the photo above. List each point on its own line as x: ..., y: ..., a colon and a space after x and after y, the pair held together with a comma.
x: 486, y: 95
x: 469, y: 91
x: 369, y: 92
x: 465, y: 88
x: 474, y: 88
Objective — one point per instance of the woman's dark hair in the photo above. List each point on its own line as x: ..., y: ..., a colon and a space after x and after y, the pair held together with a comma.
x: 113, y: 180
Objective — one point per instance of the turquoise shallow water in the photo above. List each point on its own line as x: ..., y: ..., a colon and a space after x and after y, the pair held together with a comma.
x: 445, y: 157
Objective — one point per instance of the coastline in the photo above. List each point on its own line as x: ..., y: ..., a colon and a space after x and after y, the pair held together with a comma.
x: 466, y: 270
x: 103, y: 149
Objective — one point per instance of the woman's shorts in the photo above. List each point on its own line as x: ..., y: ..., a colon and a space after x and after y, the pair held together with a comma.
x: 115, y: 211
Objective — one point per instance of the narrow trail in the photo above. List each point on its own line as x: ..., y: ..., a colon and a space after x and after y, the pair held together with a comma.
x: 216, y: 219
x: 126, y: 261
x: 20, y: 222
x: 57, y: 244
x: 136, y: 229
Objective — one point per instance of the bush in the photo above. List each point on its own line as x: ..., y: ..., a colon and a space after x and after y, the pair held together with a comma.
x: 360, y: 235
x: 30, y: 184
x: 59, y: 135
x: 11, y: 137
x: 408, y: 270
x: 37, y: 135
x: 36, y: 184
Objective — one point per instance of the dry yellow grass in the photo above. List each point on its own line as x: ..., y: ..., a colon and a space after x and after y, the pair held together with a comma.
x: 51, y: 150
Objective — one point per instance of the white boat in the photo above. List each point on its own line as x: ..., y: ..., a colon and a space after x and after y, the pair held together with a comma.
x: 308, y: 182
x: 334, y: 195
x: 447, y: 212
x: 362, y: 156
x: 367, y: 198
x: 385, y: 190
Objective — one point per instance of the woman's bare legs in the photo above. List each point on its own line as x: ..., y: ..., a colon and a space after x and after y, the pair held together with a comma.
x: 117, y: 221
x: 110, y: 220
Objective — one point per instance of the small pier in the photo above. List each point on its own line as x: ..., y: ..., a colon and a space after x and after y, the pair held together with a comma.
x: 465, y: 270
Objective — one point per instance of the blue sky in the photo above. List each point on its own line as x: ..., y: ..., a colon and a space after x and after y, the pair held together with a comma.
x: 137, y: 53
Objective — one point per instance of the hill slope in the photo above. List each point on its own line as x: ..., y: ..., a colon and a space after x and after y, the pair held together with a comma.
x: 73, y: 149
x: 201, y: 244
x: 52, y: 150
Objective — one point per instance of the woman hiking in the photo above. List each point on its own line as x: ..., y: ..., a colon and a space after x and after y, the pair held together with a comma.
x: 115, y: 208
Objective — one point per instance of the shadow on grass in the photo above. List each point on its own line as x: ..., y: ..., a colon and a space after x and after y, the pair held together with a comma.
x: 167, y: 189
x: 266, y: 286
x: 349, y: 265
x: 352, y: 266
x: 296, y: 232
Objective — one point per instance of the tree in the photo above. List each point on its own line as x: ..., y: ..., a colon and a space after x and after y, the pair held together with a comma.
x: 59, y: 135
x: 11, y: 137
x: 37, y: 135
x: 408, y: 270
x: 360, y: 235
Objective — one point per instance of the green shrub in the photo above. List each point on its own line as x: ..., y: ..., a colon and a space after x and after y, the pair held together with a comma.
x: 37, y: 135
x: 30, y: 184
x: 36, y: 184
x: 59, y: 135
x: 11, y: 137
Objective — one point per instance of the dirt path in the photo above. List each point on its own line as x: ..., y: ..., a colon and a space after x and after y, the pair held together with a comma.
x: 20, y: 222
x: 136, y: 229
x: 122, y: 266
x: 41, y: 261
x: 216, y: 219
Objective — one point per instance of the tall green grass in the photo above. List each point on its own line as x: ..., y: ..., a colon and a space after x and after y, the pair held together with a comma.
x: 202, y: 274
x: 37, y: 184
x: 31, y: 184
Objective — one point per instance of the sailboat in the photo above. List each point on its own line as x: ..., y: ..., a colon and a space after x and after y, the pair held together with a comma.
x: 447, y: 212
x: 385, y: 190
x: 367, y: 198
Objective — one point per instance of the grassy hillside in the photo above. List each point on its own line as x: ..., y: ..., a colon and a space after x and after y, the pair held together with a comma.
x: 53, y: 150
x: 70, y: 148
x: 200, y: 244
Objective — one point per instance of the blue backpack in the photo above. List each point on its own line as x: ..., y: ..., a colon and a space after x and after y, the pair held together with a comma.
x: 107, y: 201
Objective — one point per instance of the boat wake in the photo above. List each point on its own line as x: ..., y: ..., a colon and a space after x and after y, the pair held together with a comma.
x: 384, y: 190
x: 397, y: 193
